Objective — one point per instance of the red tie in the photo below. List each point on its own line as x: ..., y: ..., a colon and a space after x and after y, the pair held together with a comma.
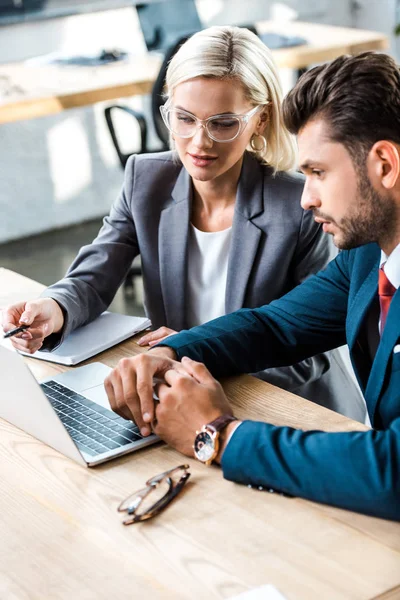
x: 386, y: 292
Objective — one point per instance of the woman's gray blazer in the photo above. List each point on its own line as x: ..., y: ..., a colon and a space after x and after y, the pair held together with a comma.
x: 275, y: 245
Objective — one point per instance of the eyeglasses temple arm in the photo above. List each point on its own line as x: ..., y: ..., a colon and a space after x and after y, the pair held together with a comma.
x: 162, y: 503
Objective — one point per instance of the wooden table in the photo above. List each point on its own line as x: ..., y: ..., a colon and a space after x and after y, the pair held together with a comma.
x: 28, y: 91
x: 61, y: 536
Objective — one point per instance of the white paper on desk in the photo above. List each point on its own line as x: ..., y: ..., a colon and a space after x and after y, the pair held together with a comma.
x: 104, y: 332
x: 265, y: 592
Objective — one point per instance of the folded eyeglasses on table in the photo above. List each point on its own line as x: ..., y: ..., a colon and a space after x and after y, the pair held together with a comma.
x: 160, y: 490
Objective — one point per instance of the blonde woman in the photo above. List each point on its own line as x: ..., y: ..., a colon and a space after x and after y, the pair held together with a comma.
x: 217, y: 221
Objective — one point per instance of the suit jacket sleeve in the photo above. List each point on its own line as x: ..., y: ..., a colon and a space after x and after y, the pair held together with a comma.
x: 307, y: 321
x: 314, y: 251
x: 353, y: 470
x: 100, y: 267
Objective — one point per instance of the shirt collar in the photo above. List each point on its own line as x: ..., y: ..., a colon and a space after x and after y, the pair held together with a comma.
x: 392, y: 266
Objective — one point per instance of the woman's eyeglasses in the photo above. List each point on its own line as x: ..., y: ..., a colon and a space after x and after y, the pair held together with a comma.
x: 160, y: 490
x: 220, y: 128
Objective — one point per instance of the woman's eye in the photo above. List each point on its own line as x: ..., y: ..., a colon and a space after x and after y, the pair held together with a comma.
x: 317, y: 172
x: 184, y: 119
x: 223, y: 124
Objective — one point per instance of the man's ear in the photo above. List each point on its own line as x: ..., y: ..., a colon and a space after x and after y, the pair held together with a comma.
x: 384, y: 160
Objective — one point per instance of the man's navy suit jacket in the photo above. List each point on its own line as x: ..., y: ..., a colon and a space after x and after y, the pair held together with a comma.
x: 355, y: 470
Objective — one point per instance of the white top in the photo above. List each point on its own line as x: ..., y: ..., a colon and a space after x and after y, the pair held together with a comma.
x: 207, y: 269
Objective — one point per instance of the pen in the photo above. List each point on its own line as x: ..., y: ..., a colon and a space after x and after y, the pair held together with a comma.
x: 15, y: 331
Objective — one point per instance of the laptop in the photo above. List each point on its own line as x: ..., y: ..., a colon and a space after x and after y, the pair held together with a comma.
x: 68, y: 411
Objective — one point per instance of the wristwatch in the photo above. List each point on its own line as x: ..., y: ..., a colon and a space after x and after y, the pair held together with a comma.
x: 206, y: 442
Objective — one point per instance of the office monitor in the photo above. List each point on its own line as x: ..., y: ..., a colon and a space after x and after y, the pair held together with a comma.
x: 164, y: 22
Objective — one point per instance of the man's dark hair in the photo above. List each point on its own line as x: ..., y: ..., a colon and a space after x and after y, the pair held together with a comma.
x: 358, y: 97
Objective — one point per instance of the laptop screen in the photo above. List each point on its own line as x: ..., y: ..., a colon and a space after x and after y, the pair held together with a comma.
x: 163, y: 22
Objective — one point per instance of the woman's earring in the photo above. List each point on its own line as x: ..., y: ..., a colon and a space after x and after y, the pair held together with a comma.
x: 258, y: 143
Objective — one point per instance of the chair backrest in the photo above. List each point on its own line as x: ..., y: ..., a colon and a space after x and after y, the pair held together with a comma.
x: 157, y: 98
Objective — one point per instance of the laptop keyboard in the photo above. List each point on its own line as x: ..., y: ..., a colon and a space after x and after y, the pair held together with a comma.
x: 94, y: 429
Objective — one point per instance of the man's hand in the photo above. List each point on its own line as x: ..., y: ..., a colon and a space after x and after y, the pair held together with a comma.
x: 129, y: 386
x: 188, y: 400
x: 155, y: 337
x: 44, y: 317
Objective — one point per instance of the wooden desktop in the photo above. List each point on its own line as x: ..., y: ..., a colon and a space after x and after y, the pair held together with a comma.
x: 29, y: 91
x: 62, y: 537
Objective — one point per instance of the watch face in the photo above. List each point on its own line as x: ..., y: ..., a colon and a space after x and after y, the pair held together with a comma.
x: 204, y: 446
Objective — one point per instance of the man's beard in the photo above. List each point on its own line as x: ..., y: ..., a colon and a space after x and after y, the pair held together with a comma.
x: 372, y: 218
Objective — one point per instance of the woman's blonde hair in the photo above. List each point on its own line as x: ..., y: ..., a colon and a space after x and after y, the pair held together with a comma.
x: 237, y: 53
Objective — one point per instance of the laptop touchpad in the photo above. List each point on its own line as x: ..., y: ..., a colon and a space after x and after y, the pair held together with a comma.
x: 98, y: 394
x: 88, y: 381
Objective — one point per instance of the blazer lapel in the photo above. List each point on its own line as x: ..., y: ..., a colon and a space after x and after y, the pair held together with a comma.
x: 245, y: 235
x: 173, y: 247
x: 389, y: 339
x: 360, y: 304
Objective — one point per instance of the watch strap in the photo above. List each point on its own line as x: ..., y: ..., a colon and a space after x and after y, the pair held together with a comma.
x: 221, y: 422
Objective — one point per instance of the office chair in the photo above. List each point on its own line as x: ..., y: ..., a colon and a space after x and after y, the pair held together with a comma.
x: 157, y: 100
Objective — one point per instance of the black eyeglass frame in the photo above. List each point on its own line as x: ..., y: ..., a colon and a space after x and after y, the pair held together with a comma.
x: 173, y: 490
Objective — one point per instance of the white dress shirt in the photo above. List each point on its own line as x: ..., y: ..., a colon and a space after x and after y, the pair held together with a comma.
x: 392, y: 266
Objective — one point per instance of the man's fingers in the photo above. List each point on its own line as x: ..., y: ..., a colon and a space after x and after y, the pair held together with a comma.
x: 113, y: 387
x: 120, y: 386
x: 130, y: 387
x: 144, y: 388
x: 131, y: 398
x: 172, y: 376
x: 121, y: 411
x: 197, y: 370
x: 108, y: 386
x: 161, y: 388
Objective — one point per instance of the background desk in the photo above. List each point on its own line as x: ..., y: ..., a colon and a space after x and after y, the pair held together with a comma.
x: 35, y: 91
x: 62, y: 539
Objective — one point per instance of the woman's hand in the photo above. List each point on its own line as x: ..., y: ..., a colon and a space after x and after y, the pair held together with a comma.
x: 154, y: 337
x: 44, y: 317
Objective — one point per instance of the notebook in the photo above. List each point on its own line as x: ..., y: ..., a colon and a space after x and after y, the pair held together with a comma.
x: 104, y: 332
